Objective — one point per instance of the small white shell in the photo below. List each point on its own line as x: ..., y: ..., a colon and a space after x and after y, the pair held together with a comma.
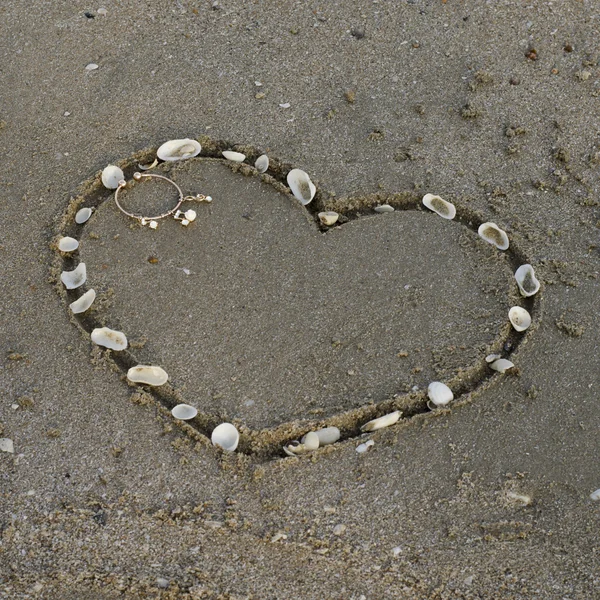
x: 115, y: 340
x: 262, y: 163
x: 68, y: 244
x: 73, y: 279
x: 382, y: 422
x: 111, y: 176
x: 490, y: 358
x: 225, y: 436
x: 328, y: 435
x: 384, y: 208
x: 519, y: 318
x: 328, y: 218
x: 491, y: 233
x: 178, y: 149
x: 311, y: 441
x: 438, y: 205
x: 365, y: 447
x: 83, y: 214
x: 526, y: 280
x: 234, y: 156
x: 184, y: 412
x: 83, y: 302
x: 439, y: 393
x: 595, y: 495
x: 6, y: 445
x: 301, y: 185
x: 502, y: 365
x: 148, y: 375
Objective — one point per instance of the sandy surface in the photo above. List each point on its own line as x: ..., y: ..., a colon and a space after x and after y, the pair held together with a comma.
x: 280, y: 326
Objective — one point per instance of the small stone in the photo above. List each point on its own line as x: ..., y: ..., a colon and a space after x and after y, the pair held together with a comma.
x: 260, y: 95
x: 339, y: 529
x: 162, y: 583
x: 91, y: 67
x: 6, y: 445
x: 102, y: 11
x: 285, y: 105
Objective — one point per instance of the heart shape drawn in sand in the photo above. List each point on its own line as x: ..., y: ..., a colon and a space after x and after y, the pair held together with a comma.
x: 265, y: 318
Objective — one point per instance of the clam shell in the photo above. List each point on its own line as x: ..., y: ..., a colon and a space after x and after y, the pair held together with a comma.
x: 111, y: 176
x: 178, y: 149
x: 490, y: 358
x: 301, y: 185
x: 311, y: 441
x: 115, y: 340
x: 526, y: 280
x: 148, y: 375
x: 365, y: 447
x: 502, y: 365
x: 328, y: 218
x: 519, y: 318
x: 328, y: 435
x: 491, y: 233
x: 184, y: 412
x: 384, y: 208
x: 234, y: 156
x: 73, y: 279
x: 68, y: 244
x: 225, y: 436
x: 438, y: 205
x: 262, y: 163
x: 83, y: 214
x: 439, y: 393
x: 382, y: 422
x: 83, y: 302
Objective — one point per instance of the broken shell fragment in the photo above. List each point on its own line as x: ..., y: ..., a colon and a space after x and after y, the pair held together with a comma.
x: 328, y: 435
x: 310, y: 441
x: 148, y: 167
x: 6, y: 445
x: 68, y: 244
x: 438, y: 205
x: 595, y: 495
x: 184, y: 412
x: 328, y: 218
x: 439, y: 393
x: 384, y: 208
x: 225, y: 436
x: 73, y: 279
x: 365, y: 447
x: 490, y: 358
x: 83, y: 302
x: 519, y: 318
x: 115, y: 340
x: 526, y: 280
x: 178, y: 149
x: 148, y: 375
x: 262, y: 163
x: 111, y: 176
x: 502, y: 365
x: 234, y: 156
x: 491, y: 233
x: 382, y: 422
x: 83, y: 214
x: 301, y: 185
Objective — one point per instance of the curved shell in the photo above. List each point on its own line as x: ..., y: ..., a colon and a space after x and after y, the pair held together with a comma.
x: 438, y: 205
x: 439, y: 393
x: 311, y: 440
x: 111, y: 176
x: 184, y: 412
x: 301, y: 185
x: 83, y: 214
x: 365, y: 446
x: 526, y: 280
x: 384, y: 208
x: 148, y: 375
x: 491, y: 233
x: 178, y: 149
x: 328, y: 435
x: 234, y: 156
x: 328, y: 218
x: 382, y: 422
x: 520, y: 318
x: 262, y: 163
x: 502, y: 365
x: 115, y: 340
x: 490, y: 358
x: 75, y: 278
x: 595, y: 495
x: 67, y: 244
x: 225, y: 436
x: 83, y: 302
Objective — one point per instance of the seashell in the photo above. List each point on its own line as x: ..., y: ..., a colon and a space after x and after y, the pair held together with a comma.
x: 6, y: 445
x: 73, y: 279
x: 438, y: 205
x: 83, y: 302
x: 68, y: 244
x: 310, y: 441
x: 526, y: 280
x: 382, y: 422
x: 491, y: 233
x: 293, y: 448
x: 148, y: 167
x: 234, y: 156
x: 519, y: 318
x: 148, y: 375
x: 184, y: 412
x: 328, y: 435
x: 178, y: 149
x: 115, y: 340
x: 502, y: 365
x: 111, y: 176
x: 365, y: 447
x: 439, y: 393
x: 384, y: 208
x: 301, y: 185
x: 225, y: 436
x: 83, y: 214
x: 262, y: 163
x: 328, y: 218
x: 490, y: 358
x: 595, y: 495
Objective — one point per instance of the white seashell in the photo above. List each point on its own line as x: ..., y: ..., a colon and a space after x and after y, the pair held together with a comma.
x: 184, y: 412
x: 310, y: 441
x: 490, y: 358
x: 365, y: 447
x: 526, y: 280
x: 148, y: 375
x: 491, y: 233
x: 190, y: 215
x: 115, y: 340
x: 68, y: 244
x: 502, y: 365
x: 382, y: 422
x: 262, y: 163
x: 178, y: 149
x: 384, y: 208
x: 148, y: 167
x: 439, y: 393
x: 328, y: 218
x: 83, y: 214
x: 83, y: 302
x: 6, y: 445
x: 225, y: 436
x: 519, y: 318
x: 293, y: 448
x: 328, y: 435
x: 73, y: 279
x: 111, y: 176
x: 595, y: 495
x: 301, y: 185
x: 91, y: 67
x: 438, y: 205
x: 234, y: 156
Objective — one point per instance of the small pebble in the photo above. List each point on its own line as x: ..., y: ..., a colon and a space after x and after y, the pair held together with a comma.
x: 361, y: 448
x: 339, y: 529
x: 595, y: 495
x: 102, y: 11
x: 91, y: 67
x: 286, y: 105
x: 6, y: 445
x: 162, y: 583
